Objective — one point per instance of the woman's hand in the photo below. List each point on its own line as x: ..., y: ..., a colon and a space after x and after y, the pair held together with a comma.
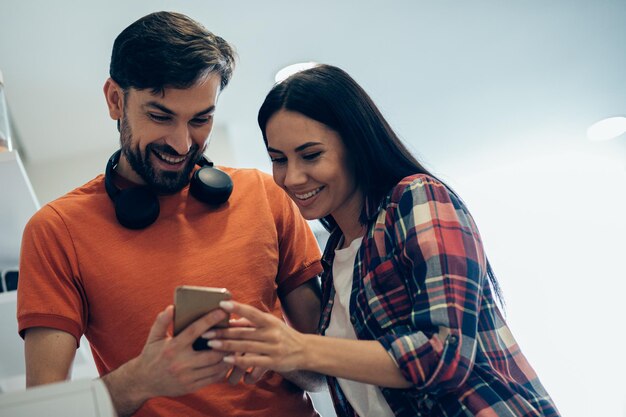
x: 245, y: 375
x: 265, y: 341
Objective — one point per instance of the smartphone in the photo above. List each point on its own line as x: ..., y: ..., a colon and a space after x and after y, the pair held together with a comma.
x: 191, y: 303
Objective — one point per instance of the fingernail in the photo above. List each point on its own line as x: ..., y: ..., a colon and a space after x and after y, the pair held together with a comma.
x: 228, y: 359
x: 214, y: 343
x: 226, y: 305
x: 209, y: 335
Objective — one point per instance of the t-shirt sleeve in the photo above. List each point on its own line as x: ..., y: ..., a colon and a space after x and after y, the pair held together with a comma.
x: 49, y: 292
x: 442, y: 261
x: 299, y: 252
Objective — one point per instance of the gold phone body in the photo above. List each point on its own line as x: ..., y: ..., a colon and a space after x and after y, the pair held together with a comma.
x: 192, y: 302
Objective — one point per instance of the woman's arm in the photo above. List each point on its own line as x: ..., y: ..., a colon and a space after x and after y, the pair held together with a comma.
x: 273, y: 345
x: 301, y: 308
x: 443, y: 269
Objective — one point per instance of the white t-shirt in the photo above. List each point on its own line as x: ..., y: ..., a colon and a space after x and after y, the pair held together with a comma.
x: 367, y: 400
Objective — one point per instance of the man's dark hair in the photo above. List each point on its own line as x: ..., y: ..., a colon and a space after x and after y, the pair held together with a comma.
x: 168, y: 49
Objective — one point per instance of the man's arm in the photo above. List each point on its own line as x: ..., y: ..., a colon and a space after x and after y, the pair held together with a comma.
x: 302, y: 308
x: 49, y: 354
x: 167, y: 366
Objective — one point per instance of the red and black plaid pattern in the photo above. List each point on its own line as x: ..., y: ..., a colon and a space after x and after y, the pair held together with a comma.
x: 421, y: 268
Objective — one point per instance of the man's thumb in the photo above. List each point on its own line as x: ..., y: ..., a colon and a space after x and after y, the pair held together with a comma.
x: 162, y: 323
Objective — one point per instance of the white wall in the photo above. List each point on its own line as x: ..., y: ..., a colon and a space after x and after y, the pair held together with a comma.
x: 553, y: 223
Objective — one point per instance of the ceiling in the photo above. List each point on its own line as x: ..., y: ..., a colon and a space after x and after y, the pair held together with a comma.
x: 454, y: 78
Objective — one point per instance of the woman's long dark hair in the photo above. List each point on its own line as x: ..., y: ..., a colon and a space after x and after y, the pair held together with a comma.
x: 377, y: 157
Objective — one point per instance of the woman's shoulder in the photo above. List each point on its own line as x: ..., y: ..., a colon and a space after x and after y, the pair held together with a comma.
x: 418, y: 179
x: 414, y: 184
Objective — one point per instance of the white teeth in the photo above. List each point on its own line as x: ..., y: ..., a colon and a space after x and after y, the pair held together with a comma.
x: 307, y: 195
x: 170, y: 159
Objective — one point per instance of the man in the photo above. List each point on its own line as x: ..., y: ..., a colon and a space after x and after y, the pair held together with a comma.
x: 95, y: 261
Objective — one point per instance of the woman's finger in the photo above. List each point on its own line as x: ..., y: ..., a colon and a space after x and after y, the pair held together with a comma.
x: 235, y: 333
x: 244, y: 346
x: 253, y: 314
x: 241, y: 322
x: 249, y: 361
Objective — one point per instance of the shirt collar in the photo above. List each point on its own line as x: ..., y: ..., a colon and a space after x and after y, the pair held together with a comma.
x: 372, y: 207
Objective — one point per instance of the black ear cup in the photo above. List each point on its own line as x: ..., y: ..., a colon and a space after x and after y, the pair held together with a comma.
x: 138, y: 207
x: 211, y: 185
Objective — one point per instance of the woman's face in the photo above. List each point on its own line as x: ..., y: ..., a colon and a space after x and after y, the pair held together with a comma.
x: 309, y: 161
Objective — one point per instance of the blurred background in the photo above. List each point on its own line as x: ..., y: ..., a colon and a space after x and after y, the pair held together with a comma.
x: 495, y: 97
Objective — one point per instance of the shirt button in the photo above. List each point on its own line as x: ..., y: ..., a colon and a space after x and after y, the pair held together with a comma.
x: 352, y: 320
x: 453, y: 340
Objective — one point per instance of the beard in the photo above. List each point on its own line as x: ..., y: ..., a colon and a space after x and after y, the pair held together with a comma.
x: 162, y: 182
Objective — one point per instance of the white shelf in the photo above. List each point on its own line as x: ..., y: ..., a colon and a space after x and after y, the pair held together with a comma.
x: 12, y: 368
x: 81, y: 398
x: 17, y: 204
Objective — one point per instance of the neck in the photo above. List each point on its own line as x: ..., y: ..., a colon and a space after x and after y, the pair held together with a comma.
x: 348, y: 238
x: 124, y: 169
x: 347, y: 219
x: 351, y: 229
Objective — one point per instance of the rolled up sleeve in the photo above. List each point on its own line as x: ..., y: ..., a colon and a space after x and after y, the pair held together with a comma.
x: 441, y: 257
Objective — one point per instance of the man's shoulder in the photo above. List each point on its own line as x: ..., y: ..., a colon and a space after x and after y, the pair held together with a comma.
x: 70, y: 207
x: 94, y: 187
x: 85, y: 197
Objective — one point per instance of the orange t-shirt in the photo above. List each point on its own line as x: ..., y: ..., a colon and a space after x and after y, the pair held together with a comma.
x: 83, y: 273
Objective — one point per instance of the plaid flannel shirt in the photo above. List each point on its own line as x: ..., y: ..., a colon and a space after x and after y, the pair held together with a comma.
x: 420, y: 267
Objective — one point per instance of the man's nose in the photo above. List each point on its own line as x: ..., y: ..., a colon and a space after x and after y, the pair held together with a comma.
x: 180, y: 139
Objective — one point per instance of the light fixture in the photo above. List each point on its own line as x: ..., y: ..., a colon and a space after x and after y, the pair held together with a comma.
x: 608, y: 128
x: 292, y: 69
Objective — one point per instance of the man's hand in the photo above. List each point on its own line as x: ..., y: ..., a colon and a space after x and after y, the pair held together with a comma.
x: 167, y: 366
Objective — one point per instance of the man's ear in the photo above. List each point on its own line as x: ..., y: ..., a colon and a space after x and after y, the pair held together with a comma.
x: 115, y: 99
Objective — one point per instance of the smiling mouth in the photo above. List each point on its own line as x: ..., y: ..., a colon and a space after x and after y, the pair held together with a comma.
x: 170, y: 159
x: 308, y: 195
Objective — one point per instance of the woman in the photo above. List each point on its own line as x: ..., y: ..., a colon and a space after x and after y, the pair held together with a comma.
x: 409, y: 324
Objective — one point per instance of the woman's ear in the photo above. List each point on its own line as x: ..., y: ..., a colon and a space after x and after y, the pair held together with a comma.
x: 115, y: 98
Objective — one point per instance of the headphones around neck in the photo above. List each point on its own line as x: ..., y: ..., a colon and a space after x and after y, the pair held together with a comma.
x: 138, y: 207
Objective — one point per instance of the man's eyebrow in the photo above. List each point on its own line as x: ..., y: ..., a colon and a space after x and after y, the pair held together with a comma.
x: 298, y: 149
x: 160, y: 107
x: 209, y: 109
x: 168, y: 111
